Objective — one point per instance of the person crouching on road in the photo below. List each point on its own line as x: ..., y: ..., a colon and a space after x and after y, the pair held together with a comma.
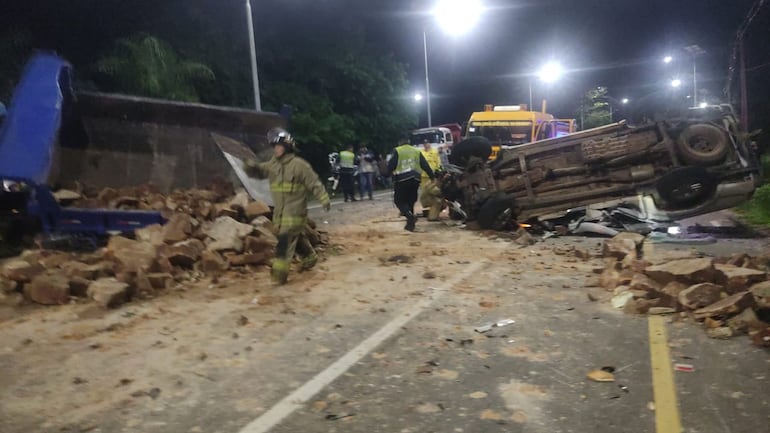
x: 427, y: 186
x: 291, y: 178
x: 347, y: 172
x: 407, y: 163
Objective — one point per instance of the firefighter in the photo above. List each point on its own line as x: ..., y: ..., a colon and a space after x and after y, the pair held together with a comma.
x: 291, y: 178
x: 427, y: 186
x: 407, y: 163
x: 347, y: 172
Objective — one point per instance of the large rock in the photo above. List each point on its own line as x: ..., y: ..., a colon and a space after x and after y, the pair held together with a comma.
x: 249, y: 259
x: 700, y: 295
x: 160, y: 280
x: 54, y: 259
x: 739, y: 279
x: 48, y: 289
x: 227, y: 234
x: 7, y: 285
x: 674, y: 288
x: 21, y: 270
x: 745, y: 321
x: 109, y: 292
x: 689, y: 271
x: 79, y: 286
x: 256, y: 209
x: 643, y: 282
x: 240, y: 201
x: 177, y: 229
x: 212, y: 263
x: 257, y: 244
x: 727, y: 307
x: 183, y: 254
x: 152, y: 234
x: 761, y: 292
x: 623, y: 245
x: 131, y: 255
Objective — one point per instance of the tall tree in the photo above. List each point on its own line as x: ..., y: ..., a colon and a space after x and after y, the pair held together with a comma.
x: 145, y: 65
x: 594, y: 109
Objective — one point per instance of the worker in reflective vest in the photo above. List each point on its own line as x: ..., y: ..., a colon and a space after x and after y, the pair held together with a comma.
x: 347, y: 172
x: 407, y: 164
x: 291, y: 178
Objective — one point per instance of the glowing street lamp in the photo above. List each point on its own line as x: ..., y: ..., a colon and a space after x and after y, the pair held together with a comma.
x: 703, y: 104
x: 668, y: 59
x: 676, y: 82
x: 418, y: 97
x: 455, y: 17
x: 550, y: 72
x: 624, y: 101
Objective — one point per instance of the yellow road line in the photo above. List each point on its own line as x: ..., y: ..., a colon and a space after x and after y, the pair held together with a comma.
x: 667, y: 418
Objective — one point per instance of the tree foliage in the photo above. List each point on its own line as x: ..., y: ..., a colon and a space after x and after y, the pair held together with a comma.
x: 144, y: 65
x: 594, y: 109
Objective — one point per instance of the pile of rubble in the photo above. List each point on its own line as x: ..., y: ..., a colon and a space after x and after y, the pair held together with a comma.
x: 730, y: 295
x: 208, y: 232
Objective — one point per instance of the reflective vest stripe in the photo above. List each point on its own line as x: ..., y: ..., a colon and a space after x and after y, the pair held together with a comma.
x: 347, y: 159
x: 283, y: 187
x: 292, y: 221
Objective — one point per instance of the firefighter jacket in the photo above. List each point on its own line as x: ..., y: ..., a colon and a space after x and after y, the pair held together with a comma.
x: 434, y: 160
x: 292, y: 180
x: 406, y: 162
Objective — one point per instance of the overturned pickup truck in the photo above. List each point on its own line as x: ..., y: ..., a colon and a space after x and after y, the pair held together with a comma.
x: 673, y: 169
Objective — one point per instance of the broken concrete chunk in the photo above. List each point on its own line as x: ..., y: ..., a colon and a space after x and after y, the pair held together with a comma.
x: 256, y: 209
x: 643, y: 282
x: 227, y: 234
x: 79, y: 286
x: 152, y: 234
x: 721, y: 333
x: 256, y: 244
x: 761, y: 292
x: 212, y: 263
x: 690, y: 271
x: 621, y: 299
x: 745, y: 321
x: 159, y: 280
x: 674, y: 288
x: 640, y: 306
x: 249, y: 259
x: 240, y: 201
x: 21, y: 270
x: 131, y: 255
x: 700, y: 295
x: 739, y: 279
x: 183, y: 254
x: 48, y: 289
x: 109, y: 292
x: 623, y: 245
x: 177, y: 229
x: 728, y: 306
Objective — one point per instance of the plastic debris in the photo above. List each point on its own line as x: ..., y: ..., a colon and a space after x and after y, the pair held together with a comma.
x: 688, y: 368
x: 499, y: 324
x: 601, y: 376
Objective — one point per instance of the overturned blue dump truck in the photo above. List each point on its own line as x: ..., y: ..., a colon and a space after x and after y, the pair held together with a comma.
x: 54, y: 135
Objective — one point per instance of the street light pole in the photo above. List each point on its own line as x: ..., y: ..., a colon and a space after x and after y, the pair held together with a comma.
x: 427, y: 80
x: 252, y: 46
x: 694, y: 83
x: 530, y: 93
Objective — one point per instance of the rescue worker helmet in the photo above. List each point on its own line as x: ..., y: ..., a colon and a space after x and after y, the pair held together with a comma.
x: 282, y: 137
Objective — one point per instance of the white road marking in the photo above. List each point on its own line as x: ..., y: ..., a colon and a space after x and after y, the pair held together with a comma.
x: 304, y: 393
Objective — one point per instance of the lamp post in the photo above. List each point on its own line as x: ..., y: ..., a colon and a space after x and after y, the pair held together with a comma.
x: 253, y: 48
x: 456, y: 17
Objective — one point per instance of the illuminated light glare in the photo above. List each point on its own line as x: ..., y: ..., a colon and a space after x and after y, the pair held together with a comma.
x: 550, y: 72
x: 418, y: 97
x: 624, y: 100
x: 668, y: 59
x: 674, y: 230
x: 676, y: 82
x: 525, y: 226
x: 457, y: 17
x: 704, y: 104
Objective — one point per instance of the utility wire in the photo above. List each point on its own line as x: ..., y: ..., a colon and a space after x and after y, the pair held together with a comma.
x: 739, y: 37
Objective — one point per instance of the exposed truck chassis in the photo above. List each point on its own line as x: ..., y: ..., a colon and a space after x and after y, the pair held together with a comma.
x: 680, y: 167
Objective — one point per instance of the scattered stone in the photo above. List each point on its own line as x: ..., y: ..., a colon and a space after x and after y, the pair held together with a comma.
x: 761, y: 338
x: 619, y: 247
x: 79, y: 286
x: 640, y: 306
x: 739, y: 279
x: 721, y: 333
x: 674, y: 288
x: 7, y: 285
x: 601, y: 376
x: 429, y: 275
x: 690, y: 271
x: 700, y: 295
x: 20, y: 270
x: 249, y: 259
x: 54, y: 259
x: 645, y: 283
x: 160, y: 280
x: 177, y: 229
x: 523, y: 238
x: 620, y: 300
x: 661, y: 310
x: 109, y: 292
x: 745, y: 321
x: 183, y: 254
x: 212, y: 262
x: 240, y: 201
x: 761, y: 293
x: 131, y: 255
x: 728, y: 306
x: 256, y: 244
x: 227, y: 234
x: 256, y: 209
x: 582, y: 254
x: 48, y: 289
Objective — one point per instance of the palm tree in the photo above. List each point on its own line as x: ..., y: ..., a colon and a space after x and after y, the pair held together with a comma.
x: 145, y: 65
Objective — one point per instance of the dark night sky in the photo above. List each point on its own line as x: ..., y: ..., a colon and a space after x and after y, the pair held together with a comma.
x: 615, y: 43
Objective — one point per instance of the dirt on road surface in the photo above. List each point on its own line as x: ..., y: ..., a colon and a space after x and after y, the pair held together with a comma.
x: 379, y: 337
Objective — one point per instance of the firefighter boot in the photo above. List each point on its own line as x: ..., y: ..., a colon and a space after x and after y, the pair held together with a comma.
x: 280, y: 271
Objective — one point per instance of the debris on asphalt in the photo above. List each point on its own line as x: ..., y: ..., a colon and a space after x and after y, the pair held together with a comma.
x: 601, y: 376
x: 499, y: 324
x: 729, y: 295
x: 208, y: 232
x: 687, y: 368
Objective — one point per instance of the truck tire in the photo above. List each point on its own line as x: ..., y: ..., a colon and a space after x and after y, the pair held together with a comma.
x: 686, y: 187
x: 702, y: 144
x: 497, y: 212
x: 479, y: 147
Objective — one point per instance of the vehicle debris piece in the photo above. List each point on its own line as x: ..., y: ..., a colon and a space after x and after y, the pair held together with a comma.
x: 687, y: 368
x: 499, y: 324
x: 601, y: 376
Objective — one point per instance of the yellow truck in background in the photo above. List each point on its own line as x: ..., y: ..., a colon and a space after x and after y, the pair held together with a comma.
x: 513, y: 125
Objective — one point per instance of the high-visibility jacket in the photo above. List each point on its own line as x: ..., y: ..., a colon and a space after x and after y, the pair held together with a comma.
x: 347, y: 159
x: 408, y: 160
x: 291, y: 181
x: 434, y: 161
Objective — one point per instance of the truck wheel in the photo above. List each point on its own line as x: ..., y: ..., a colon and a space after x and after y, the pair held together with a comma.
x: 497, y: 212
x: 702, y: 144
x: 471, y: 146
x: 686, y: 187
